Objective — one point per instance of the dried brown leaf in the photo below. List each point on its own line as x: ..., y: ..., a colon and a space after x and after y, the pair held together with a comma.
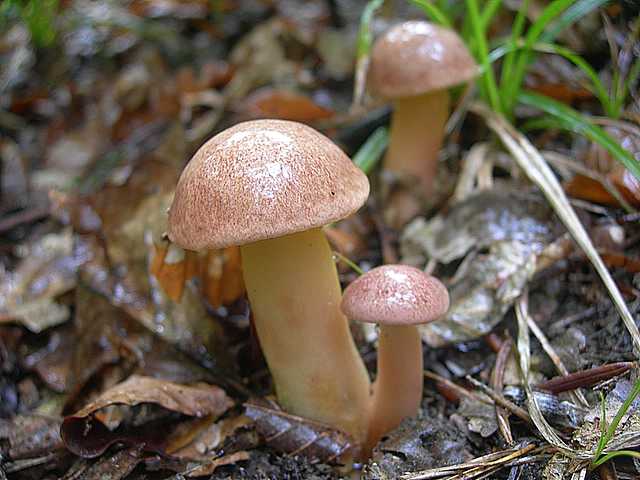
x: 30, y: 436
x: 299, y: 436
x: 87, y: 436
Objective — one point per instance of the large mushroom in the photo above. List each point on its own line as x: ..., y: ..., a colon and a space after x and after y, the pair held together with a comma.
x: 270, y: 186
x: 397, y: 298
x: 414, y: 64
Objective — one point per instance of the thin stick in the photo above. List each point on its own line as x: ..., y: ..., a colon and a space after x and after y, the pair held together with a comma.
x: 500, y: 400
x: 557, y: 361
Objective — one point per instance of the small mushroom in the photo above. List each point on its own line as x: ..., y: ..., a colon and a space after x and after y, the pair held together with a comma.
x: 397, y: 298
x: 270, y: 186
x: 414, y: 64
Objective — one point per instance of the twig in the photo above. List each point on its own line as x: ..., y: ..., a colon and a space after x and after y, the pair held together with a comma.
x: 557, y: 361
x: 26, y: 216
x: 585, y: 378
x: 500, y: 400
x: 460, y: 391
x: 497, y: 383
x: 496, y: 459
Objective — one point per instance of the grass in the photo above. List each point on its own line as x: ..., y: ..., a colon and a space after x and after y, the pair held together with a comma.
x: 607, y: 432
x: 504, y: 68
x: 37, y: 15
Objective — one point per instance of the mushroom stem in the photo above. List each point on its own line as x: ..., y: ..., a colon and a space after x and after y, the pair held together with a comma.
x: 397, y: 391
x: 295, y: 295
x: 417, y: 130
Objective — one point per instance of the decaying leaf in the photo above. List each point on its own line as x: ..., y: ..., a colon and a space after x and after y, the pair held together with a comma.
x: 283, y: 104
x: 30, y: 436
x: 47, y: 270
x: 417, y: 444
x: 513, y: 229
x: 91, y: 430
x: 299, y: 436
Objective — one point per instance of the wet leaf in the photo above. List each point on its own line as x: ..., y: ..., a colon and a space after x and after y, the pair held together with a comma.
x: 31, y: 436
x: 479, y: 222
x: 85, y: 434
x: 47, y: 270
x: 114, y: 466
x: 283, y: 104
x: 298, y: 436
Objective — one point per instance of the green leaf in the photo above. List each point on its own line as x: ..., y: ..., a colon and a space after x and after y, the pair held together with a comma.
x: 574, y: 121
x: 434, y: 13
x: 575, y: 12
x: 371, y: 150
x: 487, y: 78
x: 513, y: 82
x: 596, y: 85
x: 365, y: 37
x: 606, y: 438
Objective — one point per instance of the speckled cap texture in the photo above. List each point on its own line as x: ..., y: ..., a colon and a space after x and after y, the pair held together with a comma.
x: 263, y: 179
x: 417, y: 57
x: 395, y: 295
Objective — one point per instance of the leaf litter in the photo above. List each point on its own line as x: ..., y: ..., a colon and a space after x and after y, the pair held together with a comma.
x: 143, y: 353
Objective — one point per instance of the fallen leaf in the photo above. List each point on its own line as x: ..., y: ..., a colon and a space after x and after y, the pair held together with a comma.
x: 84, y: 434
x: 222, y: 281
x: 299, y: 436
x: 30, y: 436
x: 269, y: 102
x: 48, y: 269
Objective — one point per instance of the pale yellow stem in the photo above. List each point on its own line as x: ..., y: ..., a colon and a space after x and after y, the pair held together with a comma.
x: 397, y: 391
x: 417, y: 130
x: 293, y: 287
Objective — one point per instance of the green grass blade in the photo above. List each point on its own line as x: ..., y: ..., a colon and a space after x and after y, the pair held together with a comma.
x: 478, y: 37
x: 575, y: 12
x: 365, y: 37
x: 515, y: 80
x: 489, y: 12
x: 596, y: 86
x: 611, y: 430
x: 369, y: 154
x: 617, y: 453
x: 510, y: 59
x: 434, y: 13
x: 632, y: 78
x: 574, y: 121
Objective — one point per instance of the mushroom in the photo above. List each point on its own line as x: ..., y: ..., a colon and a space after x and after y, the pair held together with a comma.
x: 269, y: 186
x: 397, y: 298
x: 413, y: 64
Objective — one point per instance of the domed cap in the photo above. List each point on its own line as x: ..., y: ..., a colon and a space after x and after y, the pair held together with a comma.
x: 417, y: 57
x: 263, y: 179
x: 395, y: 295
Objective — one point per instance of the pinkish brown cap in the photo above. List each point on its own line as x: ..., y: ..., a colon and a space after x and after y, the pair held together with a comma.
x: 263, y: 179
x: 395, y: 295
x: 418, y: 57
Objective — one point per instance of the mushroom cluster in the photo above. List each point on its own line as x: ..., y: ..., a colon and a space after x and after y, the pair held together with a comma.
x: 269, y: 186
x: 398, y: 298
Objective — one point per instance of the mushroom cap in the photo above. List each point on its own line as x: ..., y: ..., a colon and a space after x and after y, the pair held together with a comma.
x: 418, y: 57
x: 263, y: 179
x: 395, y: 295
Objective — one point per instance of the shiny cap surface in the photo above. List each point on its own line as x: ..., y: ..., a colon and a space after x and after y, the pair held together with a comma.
x: 417, y: 57
x: 263, y: 179
x: 395, y: 295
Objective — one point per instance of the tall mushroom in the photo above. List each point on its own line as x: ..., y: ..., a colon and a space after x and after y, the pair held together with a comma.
x: 269, y: 186
x: 398, y: 298
x: 414, y: 64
